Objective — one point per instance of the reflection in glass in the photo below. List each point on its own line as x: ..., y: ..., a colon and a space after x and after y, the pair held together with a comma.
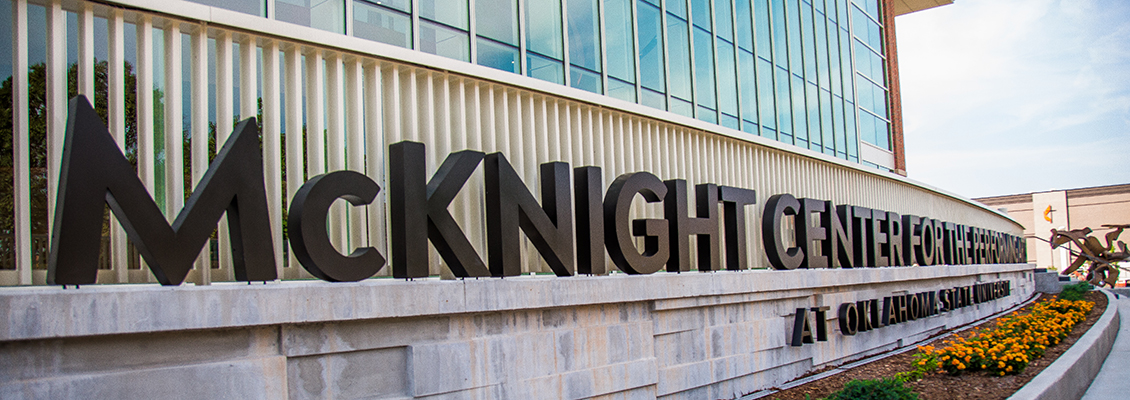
x: 253, y: 7
x: 700, y: 13
x: 682, y: 107
x: 704, y: 68
x: 444, y: 41
x: 764, y: 35
x: 827, y: 129
x: 749, y: 86
x: 852, y: 132
x: 618, y: 47
x: 498, y: 20
x: 727, y: 80
x: 584, y: 79
x: 809, y: 42
x: 544, y: 68
x: 812, y: 97
x: 621, y: 90
x: 497, y: 55
x: 650, y: 33
x: 723, y: 19
x: 584, y: 34
x: 780, y: 33
x: 745, y: 25
x: 765, y: 94
x: 707, y: 115
x: 449, y: 12
x: 381, y: 24
x: 328, y: 15
x: 543, y: 28
x: 679, y: 51
x: 653, y: 99
x: 784, y: 104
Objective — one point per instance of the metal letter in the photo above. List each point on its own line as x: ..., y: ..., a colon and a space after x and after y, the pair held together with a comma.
x: 879, y: 239
x: 813, y: 237
x: 895, y: 240
x: 849, y: 319
x: 419, y: 213
x: 734, y: 200
x: 705, y: 227
x: 510, y: 206
x: 306, y: 223
x: 617, y: 237
x: 590, y: 220
x: 802, y: 331
x: 860, y: 220
x: 773, y: 236
x: 94, y: 172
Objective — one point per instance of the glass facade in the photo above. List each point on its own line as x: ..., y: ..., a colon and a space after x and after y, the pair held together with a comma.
x: 811, y: 73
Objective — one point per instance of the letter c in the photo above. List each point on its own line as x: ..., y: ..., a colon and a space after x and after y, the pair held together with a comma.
x: 307, y: 227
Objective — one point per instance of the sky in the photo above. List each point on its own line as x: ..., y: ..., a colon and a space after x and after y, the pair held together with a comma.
x: 1016, y: 96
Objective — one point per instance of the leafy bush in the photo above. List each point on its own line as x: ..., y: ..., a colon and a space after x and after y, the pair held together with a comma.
x: 879, y: 389
x: 925, y: 361
x: 1075, y: 291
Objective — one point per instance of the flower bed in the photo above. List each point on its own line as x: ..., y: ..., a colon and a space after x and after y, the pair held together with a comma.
x: 928, y: 384
x: 1012, y: 344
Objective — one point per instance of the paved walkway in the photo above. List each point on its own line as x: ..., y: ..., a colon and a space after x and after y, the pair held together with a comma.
x: 1113, y: 380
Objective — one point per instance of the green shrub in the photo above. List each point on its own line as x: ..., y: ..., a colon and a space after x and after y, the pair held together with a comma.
x: 1075, y: 291
x: 879, y: 389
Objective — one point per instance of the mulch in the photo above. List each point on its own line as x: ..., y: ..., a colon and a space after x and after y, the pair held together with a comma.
x: 975, y: 386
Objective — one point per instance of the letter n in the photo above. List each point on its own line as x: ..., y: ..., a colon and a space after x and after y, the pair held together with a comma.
x: 95, y: 172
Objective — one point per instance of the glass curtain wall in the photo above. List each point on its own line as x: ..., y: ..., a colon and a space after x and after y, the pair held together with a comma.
x: 870, y: 67
x: 805, y: 72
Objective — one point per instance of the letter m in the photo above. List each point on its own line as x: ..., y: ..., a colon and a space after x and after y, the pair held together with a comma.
x: 94, y: 172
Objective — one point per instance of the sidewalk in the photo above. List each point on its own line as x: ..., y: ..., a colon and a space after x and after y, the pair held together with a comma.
x: 1113, y: 380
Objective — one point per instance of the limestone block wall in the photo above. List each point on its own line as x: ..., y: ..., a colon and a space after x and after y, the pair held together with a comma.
x: 680, y: 336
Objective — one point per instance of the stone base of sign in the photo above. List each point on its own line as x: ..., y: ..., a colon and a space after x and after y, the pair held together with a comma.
x: 692, y: 335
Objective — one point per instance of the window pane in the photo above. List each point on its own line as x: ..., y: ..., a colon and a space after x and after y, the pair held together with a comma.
x: 677, y: 8
x: 704, y: 68
x: 800, y: 124
x: 784, y: 105
x: 544, y: 68
x: 827, y: 127
x: 765, y: 94
x: 328, y: 15
x: 700, y: 12
x: 584, y: 34
x: 830, y: 10
x: 821, y: 50
x: 619, y: 49
x: 745, y: 25
x: 381, y: 24
x: 650, y: 33
x: 833, y: 57
x: 498, y: 20
x: 543, y: 28
x: 769, y: 133
x: 679, y: 50
x: 796, y: 54
x: 253, y: 7
x: 653, y: 99
x: 622, y: 90
x: 749, y: 127
x: 497, y: 55
x: 880, y: 98
x: 845, y: 60
x: 866, y: 127
x: 723, y: 19
x: 812, y: 96
x: 809, y: 42
x: 749, y: 86
x: 764, y: 34
x: 840, y: 129
x: 882, y: 138
x: 440, y: 40
x: 852, y: 131
x: 780, y: 32
x: 863, y: 95
x: 707, y: 115
x: 583, y: 79
x: 682, y: 107
x: 727, y: 79
x: 449, y: 12
x: 842, y: 11
x: 730, y: 121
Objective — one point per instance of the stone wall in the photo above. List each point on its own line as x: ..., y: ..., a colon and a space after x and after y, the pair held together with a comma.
x: 691, y: 335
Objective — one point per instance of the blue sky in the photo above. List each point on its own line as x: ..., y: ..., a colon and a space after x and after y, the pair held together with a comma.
x: 1016, y: 96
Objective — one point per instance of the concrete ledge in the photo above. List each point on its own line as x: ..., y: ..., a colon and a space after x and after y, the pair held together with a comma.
x: 51, y: 312
x: 1070, y: 375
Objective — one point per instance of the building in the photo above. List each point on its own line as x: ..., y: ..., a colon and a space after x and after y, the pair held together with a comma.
x: 775, y: 98
x: 1040, y: 212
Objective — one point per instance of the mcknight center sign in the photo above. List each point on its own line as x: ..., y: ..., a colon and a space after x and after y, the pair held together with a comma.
x: 574, y: 225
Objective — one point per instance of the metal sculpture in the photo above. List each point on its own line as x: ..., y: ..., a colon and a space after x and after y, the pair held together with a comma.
x: 1103, y: 269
